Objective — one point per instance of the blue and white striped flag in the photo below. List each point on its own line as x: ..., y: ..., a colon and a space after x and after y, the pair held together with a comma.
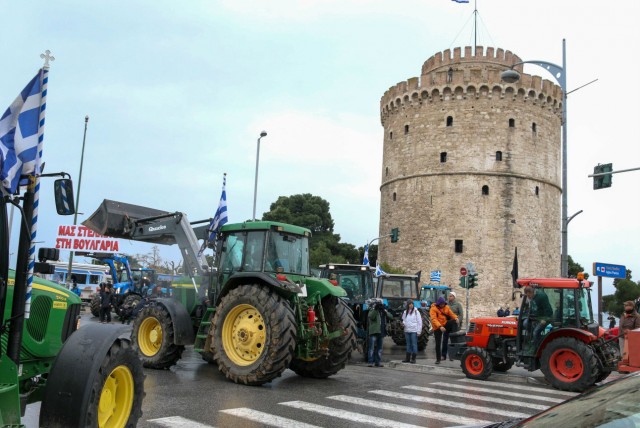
x: 435, y: 276
x: 20, y: 141
x: 219, y: 219
x: 365, y: 259
x: 379, y: 271
x: 461, y: 1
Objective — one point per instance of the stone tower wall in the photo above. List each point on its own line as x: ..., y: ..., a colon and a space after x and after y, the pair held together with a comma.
x: 435, y: 201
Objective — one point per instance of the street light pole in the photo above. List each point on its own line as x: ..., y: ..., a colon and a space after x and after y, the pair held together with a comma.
x: 255, y: 186
x: 75, y: 216
x: 560, y: 74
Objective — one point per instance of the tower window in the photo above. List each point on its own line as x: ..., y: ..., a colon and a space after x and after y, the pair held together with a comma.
x: 386, y: 171
x: 443, y: 157
x: 391, y: 135
x: 406, y: 129
x: 498, y: 155
x: 537, y: 190
x: 512, y: 123
x: 534, y: 129
x: 394, y: 196
x: 485, y: 190
x: 458, y: 246
x: 449, y: 120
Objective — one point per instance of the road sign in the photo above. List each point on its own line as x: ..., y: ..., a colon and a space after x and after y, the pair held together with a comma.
x: 609, y: 271
x: 463, y: 271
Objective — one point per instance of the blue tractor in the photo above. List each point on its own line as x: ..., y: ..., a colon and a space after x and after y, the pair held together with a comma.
x: 429, y: 293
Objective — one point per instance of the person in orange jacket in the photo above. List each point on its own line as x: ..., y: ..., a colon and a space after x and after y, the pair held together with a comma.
x: 442, y: 319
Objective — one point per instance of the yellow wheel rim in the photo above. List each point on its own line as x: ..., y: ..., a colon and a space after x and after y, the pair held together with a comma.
x: 244, y: 334
x: 116, y: 399
x: 150, y: 336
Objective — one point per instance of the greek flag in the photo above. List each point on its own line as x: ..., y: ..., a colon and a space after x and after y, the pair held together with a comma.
x: 20, y: 143
x: 365, y: 260
x: 435, y: 276
x: 379, y: 271
x: 461, y: 1
x: 219, y: 219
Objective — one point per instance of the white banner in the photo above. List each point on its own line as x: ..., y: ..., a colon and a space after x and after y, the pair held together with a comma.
x: 81, y: 238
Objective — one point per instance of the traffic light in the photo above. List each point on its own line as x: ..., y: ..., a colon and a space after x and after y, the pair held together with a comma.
x: 394, y: 234
x: 602, y: 181
x: 473, y: 280
x: 463, y: 281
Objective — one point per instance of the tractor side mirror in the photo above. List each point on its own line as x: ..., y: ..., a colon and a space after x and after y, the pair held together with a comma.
x: 63, y: 192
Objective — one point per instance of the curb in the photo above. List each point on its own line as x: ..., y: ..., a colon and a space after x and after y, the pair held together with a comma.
x: 456, y: 371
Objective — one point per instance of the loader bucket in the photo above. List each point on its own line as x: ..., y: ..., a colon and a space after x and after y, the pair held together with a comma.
x: 112, y: 218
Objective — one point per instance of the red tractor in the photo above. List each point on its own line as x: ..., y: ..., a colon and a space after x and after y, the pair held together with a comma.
x: 555, y: 332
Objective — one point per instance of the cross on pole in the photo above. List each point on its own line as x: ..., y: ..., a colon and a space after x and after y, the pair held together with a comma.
x: 47, y: 57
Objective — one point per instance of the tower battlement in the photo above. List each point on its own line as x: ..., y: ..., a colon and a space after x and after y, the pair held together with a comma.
x: 476, y: 73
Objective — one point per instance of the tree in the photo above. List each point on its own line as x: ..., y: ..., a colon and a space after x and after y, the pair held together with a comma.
x: 626, y: 289
x: 575, y: 269
x: 312, y: 212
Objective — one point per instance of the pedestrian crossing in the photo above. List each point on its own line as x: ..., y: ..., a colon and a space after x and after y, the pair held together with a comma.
x: 440, y: 404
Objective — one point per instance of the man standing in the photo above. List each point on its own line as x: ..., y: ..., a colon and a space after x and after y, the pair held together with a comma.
x: 377, y: 329
x: 442, y: 320
x: 456, y: 308
x: 629, y: 320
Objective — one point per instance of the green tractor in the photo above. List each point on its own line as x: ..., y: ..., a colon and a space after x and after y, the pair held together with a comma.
x: 257, y: 312
x: 87, y: 376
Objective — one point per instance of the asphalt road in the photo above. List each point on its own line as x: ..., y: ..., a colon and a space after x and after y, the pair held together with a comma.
x: 195, y: 394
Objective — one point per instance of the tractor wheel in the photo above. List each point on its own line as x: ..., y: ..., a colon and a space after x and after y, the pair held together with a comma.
x: 152, y: 337
x: 569, y: 364
x: 107, y: 389
x: 131, y: 301
x: 426, y: 326
x: 254, y: 335
x: 95, y: 305
x: 476, y: 363
x: 397, y: 333
x: 500, y: 366
x: 338, y: 316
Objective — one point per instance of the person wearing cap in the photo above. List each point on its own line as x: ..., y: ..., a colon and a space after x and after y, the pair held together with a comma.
x: 456, y: 308
x: 377, y: 330
x: 412, y: 321
x: 629, y: 320
x: 442, y: 319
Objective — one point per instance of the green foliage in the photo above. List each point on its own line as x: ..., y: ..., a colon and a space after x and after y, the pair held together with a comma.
x: 575, y: 269
x: 390, y: 269
x: 313, y: 213
x: 626, y: 289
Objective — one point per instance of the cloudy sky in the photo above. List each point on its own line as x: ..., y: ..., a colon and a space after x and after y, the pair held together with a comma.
x: 178, y: 92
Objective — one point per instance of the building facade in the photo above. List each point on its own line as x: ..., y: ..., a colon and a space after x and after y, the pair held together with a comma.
x: 471, y: 170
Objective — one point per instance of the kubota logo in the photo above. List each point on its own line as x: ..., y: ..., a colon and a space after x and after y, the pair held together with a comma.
x: 153, y: 229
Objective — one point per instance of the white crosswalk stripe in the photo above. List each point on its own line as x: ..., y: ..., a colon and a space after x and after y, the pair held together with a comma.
x: 460, y: 420
x: 177, y: 422
x: 350, y: 416
x: 266, y: 418
x: 498, y: 392
x: 520, y: 387
x: 454, y: 404
x: 441, y: 392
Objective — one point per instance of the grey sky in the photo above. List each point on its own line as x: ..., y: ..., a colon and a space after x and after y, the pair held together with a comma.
x: 178, y: 93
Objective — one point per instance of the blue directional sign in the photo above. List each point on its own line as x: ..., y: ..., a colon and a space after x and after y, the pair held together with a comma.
x: 609, y: 271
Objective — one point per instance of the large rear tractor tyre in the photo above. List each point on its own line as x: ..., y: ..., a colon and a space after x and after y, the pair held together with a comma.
x: 106, y: 389
x: 153, y: 337
x: 569, y: 364
x: 476, y: 363
x: 423, y: 339
x: 95, y: 305
x: 254, y: 335
x: 129, y: 302
x: 338, y: 316
x: 500, y: 366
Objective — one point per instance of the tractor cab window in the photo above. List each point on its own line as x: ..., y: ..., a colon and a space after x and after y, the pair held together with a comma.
x: 231, y: 257
x: 287, y: 253
x: 430, y: 295
x: 254, y: 250
x: 358, y: 285
x: 398, y: 288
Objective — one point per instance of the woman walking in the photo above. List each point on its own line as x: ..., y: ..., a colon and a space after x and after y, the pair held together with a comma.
x: 412, y: 321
